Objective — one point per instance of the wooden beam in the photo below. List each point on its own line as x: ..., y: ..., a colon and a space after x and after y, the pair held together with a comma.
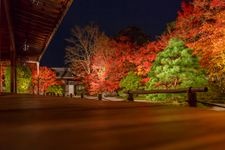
x: 32, y: 36
x: 34, y: 17
x: 38, y: 28
x: 12, y: 46
x: 34, y: 23
x: 205, y: 89
x: 69, y: 3
x: 33, y: 32
x: 49, y: 5
x: 41, y: 7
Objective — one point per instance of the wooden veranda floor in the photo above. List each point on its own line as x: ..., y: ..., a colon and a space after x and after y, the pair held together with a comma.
x: 43, y: 123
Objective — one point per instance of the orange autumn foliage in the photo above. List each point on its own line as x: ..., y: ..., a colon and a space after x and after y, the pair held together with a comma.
x: 46, y: 78
x: 201, y: 24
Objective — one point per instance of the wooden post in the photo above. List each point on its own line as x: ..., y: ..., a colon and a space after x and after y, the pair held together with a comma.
x: 13, y: 88
x: 38, y: 74
x: 38, y: 86
x: 82, y: 95
x: 1, y: 73
x: 192, y: 98
x: 130, y: 96
x: 99, y: 96
x: 0, y: 50
x: 75, y: 90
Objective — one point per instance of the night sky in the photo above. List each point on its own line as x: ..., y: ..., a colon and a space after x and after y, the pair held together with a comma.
x: 111, y: 15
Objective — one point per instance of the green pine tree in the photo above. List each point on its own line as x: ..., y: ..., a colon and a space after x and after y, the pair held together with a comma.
x: 175, y: 67
x: 129, y: 82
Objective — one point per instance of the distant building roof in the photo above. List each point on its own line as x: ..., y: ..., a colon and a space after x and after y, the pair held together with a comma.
x: 63, y: 73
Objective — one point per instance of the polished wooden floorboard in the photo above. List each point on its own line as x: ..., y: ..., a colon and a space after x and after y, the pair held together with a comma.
x: 56, y: 123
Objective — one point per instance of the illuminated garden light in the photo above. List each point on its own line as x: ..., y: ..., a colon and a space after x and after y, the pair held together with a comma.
x: 101, y: 72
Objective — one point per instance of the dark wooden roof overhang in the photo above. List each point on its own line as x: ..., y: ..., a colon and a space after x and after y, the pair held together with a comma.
x: 27, y: 26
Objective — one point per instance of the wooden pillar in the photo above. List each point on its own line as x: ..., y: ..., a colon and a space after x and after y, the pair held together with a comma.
x: 1, y: 73
x: 38, y: 82
x: 13, y: 85
x: 100, y: 96
x: 130, y: 96
x: 75, y: 90
x: 0, y: 50
x: 38, y: 68
x: 192, y: 98
x: 82, y: 95
x: 12, y: 45
x: 37, y: 63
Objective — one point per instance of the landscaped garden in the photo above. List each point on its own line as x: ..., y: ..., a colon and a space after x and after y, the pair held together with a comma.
x: 190, y: 53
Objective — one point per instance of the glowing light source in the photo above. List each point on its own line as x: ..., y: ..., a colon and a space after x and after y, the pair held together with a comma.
x: 26, y: 46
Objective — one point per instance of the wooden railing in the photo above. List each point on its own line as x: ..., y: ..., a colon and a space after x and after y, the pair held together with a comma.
x: 191, y: 93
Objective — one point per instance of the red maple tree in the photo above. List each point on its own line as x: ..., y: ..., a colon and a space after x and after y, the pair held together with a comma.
x: 201, y: 25
x: 119, y: 63
x: 41, y: 82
